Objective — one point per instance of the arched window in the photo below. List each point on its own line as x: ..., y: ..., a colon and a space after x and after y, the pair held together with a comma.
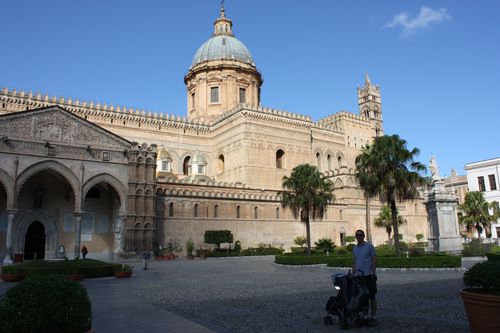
x: 277, y: 213
x: 339, y: 160
x: 318, y: 161
x: 329, y: 161
x: 280, y: 154
x: 255, y: 212
x: 185, y: 165
x: 220, y: 164
x: 171, y: 209
x: 195, y: 210
x: 238, y: 213
x: 341, y: 214
x: 216, y: 211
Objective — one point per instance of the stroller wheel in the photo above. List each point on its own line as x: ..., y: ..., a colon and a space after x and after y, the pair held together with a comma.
x: 328, y: 320
x: 359, y: 322
x: 343, y: 323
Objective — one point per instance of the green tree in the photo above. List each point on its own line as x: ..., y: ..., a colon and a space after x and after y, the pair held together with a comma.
x: 306, y: 192
x: 394, y: 173
x: 384, y: 220
x: 477, y: 215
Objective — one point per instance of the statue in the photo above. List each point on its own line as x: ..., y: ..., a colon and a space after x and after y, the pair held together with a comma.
x: 434, y: 169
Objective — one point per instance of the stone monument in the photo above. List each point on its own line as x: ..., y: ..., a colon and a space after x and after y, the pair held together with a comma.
x: 441, y: 206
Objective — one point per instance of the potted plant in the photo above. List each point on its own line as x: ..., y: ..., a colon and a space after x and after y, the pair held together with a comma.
x: 10, y: 274
x: 46, y: 303
x: 124, y: 271
x: 482, y: 296
x: 190, y: 249
x: 72, y: 267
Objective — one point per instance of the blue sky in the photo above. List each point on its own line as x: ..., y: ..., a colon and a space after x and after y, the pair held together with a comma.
x: 437, y: 62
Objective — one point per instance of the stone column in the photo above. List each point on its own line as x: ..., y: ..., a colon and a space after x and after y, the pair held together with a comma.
x: 8, y: 242
x: 118, y: 233
x: 78, y: 233
x: 441, y: 208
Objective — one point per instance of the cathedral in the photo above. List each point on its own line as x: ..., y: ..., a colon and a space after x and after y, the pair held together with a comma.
x: 119, y: 180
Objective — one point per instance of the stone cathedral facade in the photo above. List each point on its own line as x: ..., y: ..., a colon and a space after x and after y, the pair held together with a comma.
x: 120, y: 180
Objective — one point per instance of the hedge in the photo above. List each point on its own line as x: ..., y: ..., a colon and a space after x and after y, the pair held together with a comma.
x: 493, y: 256
x: 89, y: 268
x: 301, y: 260
x: 427, y: 261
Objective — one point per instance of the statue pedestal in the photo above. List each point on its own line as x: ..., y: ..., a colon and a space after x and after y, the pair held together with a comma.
x: 441, y: 208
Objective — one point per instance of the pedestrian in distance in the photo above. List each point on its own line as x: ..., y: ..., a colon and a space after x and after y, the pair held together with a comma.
x: 84, y: 251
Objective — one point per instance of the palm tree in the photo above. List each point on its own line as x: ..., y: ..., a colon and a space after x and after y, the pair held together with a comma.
x: 477, y: 215
x: 395, y: 172
x: 306, y: 192
x: 384, y: 220
x: 368, y: 181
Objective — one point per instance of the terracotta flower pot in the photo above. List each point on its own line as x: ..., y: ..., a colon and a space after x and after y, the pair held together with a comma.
x: 75, y: 277
x: 121, y: 275
x: 12, y: 277
x: 482, y: 310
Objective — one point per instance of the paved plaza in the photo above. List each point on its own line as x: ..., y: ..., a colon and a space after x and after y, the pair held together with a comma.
x: 254, y: 295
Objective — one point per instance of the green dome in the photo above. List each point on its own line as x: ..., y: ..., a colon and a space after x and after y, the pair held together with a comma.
x: 223, y: 47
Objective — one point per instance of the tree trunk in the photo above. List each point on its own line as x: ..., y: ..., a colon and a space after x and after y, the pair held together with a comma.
x: 368, y: 224
x: 308, y: 235
x: 388, y: 230
x: 395, y: 227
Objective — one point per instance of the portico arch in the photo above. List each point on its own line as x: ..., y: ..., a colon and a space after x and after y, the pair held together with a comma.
x: 118, y: 186
x: 57, y: 167
x: 8, y: 184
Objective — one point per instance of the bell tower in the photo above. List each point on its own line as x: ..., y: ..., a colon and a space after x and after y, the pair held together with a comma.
x: 370, y: 105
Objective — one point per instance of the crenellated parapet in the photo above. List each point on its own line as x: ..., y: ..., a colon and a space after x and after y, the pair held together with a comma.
x: 13, y: 101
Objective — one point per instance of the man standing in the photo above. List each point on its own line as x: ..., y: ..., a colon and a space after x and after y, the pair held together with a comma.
x: 364, y: 264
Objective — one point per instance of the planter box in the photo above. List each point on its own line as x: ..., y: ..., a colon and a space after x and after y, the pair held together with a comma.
x: 482, y: 311
x: 121, y: 275
x: 12, y: 277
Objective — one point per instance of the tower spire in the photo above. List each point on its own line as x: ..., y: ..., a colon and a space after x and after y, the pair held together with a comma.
x: 367, y: 80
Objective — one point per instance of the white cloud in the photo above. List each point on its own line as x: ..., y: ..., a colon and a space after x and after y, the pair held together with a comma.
x: 423, y: 20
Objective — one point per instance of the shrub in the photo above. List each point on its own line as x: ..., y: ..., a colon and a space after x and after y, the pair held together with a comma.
x: 484, y: 275
x: 349, y: 247
x: 416, y: 251
x: 425, y: 261
x: 419, y: 237
x: 89, y: 268
x: 50, y: 303
x: 189, y: 247
x: 124, y: 268
x: 9, y: 269
x: 325, y: 245
x: 218, y: 236
x: 301, y: 260
x: 237, y: 247
x: 349, y: 239
x: 493, y: 256
x: 300, y: 241
x: 474, y: 249
x: 262, y: 250
x: 341, y: 250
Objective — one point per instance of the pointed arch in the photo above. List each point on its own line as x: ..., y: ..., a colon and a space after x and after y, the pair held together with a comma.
x: 57, y: 167
x: 8, y: 184
x: 113, y: 182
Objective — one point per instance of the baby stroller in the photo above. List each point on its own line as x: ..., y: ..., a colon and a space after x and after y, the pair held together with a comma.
x: 351, y: 302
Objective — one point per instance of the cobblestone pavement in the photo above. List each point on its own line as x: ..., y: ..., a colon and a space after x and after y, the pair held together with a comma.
x: 243, y: 295
x: 254, y: 295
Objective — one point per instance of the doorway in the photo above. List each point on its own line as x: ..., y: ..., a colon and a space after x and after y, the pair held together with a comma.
x: 34, y: 242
